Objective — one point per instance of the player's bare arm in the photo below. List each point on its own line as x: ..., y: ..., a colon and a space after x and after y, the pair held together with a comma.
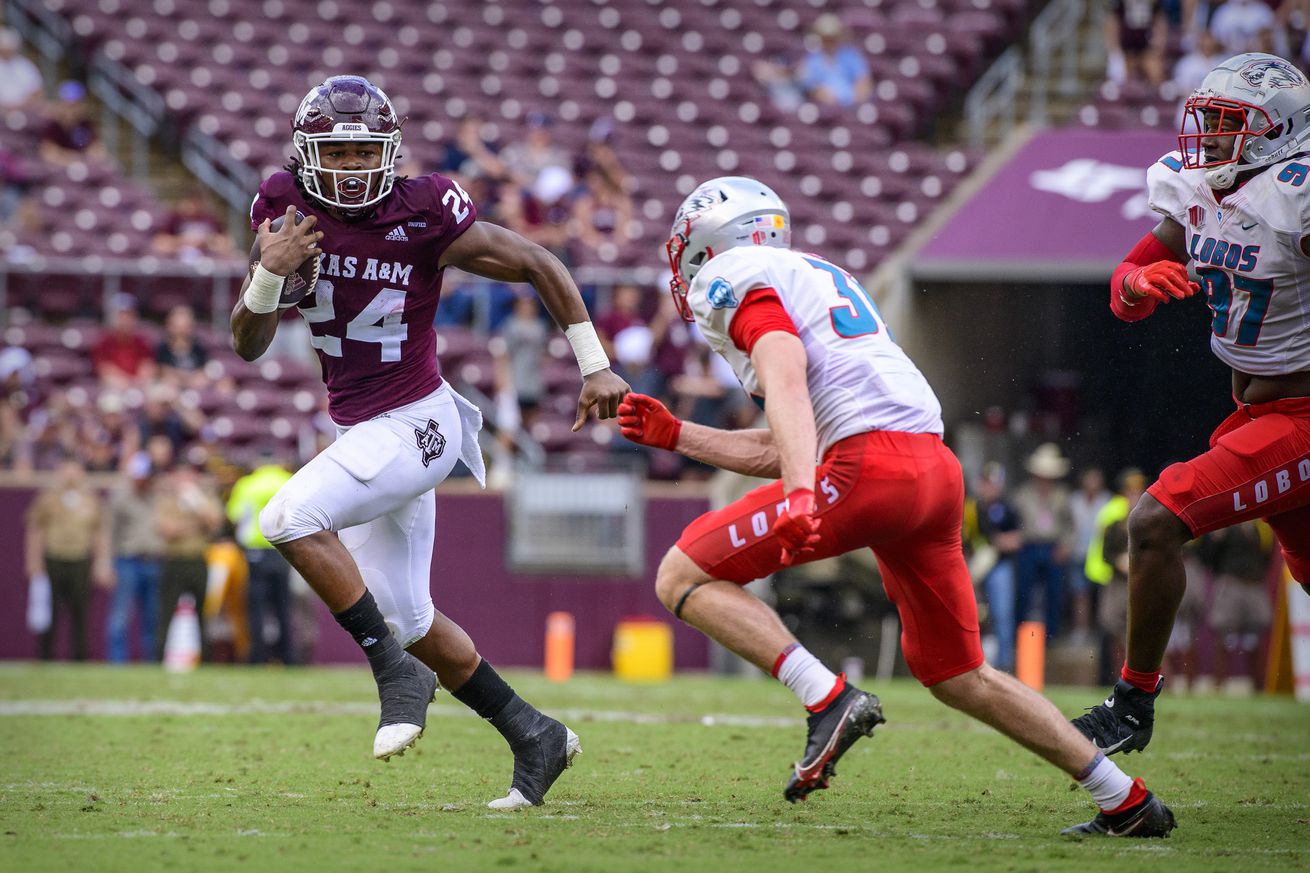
x: 780, y: 363
x: 279, y: 252
x: 494, y: 252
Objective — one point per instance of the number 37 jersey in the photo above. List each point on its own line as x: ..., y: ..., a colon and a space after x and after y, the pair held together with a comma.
x: 370, y: 315
x: 859, y: 379
x: 1247, y: 253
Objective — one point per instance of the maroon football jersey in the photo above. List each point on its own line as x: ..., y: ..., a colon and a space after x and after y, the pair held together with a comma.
x: 379, y: 283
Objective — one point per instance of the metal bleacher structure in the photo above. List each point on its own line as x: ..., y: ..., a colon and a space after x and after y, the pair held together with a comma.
x: 222, y: 78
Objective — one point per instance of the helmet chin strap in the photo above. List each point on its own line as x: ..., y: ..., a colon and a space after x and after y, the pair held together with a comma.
x: 1223, y: 177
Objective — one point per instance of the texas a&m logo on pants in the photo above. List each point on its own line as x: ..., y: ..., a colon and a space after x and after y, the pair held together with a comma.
x: 431, y: 442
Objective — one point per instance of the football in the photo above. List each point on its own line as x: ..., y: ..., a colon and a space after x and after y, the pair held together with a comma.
x: 300, y: 284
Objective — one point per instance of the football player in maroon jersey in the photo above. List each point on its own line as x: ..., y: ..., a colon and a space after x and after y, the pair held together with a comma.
x: 358, y: 520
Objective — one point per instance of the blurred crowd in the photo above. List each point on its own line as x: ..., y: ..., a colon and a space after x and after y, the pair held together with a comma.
x: 1172, y: 44
x: 67, y: 135
x: 1053, y: 548
x: 828, y: 69
x: 576, y: 203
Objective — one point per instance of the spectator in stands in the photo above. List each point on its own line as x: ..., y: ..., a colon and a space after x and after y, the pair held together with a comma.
x: 518, y: 353
x: 523, y: 348
x: 1193, y: 66
x: 780, y: 81
x: 545, y: 213
x: 187, y: 515
x: 602, y: 214
x: 526, y: 161
x: 469, y: 154
x: 1292, y: 32
x: 269, y: 578
x: 122, y: 356
x: 1241, y: 611
x: 67, y: 543
x: 17, y: 208
x: 135, y: 545
x: 1243, y: 26
x: 623, y: 312
x: 835, y: 72
x: 1043, y: 506
x: 111, y: 436
x: 162, y: 415
x: 999, y: 525
x: 20, y: 80
x: 1136, y: 33
x: 192, y: 230
x: 181, y: 355
x: 672, y: 339
x: 600, y: 156
x: 69, y: 134
x: 1085, y: 505
x: 634, y: 352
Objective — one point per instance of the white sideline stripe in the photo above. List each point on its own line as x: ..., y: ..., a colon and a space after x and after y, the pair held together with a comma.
x: 312, y: 707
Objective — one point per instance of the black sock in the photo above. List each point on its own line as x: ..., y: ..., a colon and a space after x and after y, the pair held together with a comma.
x: 491, y: 697
x: 364, y: 622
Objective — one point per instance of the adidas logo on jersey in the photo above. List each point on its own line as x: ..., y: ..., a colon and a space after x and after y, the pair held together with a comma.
x: 398, y: 234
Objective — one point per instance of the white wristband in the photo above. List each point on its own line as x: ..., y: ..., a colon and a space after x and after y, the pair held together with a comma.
x: 587, y: 347
x: 264, y: 291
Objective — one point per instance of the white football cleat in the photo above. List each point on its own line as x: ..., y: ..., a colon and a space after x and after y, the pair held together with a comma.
x: 394, y: 739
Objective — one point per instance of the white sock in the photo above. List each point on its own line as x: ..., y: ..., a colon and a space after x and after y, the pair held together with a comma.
x: 1108, y: 785
x: 804, y: 674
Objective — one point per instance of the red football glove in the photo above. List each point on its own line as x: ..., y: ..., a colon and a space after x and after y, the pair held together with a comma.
x: 796, y: 527
x: 1162, y: 280
x: 647, y: 422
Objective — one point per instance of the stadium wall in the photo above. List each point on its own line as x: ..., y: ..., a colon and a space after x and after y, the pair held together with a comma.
x: 505, y: 613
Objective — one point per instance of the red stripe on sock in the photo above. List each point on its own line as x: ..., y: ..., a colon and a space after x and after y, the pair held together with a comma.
x: 837, y: 688
x: 1136, y: 795
x: 1142, y: 681
x: 782, y: 656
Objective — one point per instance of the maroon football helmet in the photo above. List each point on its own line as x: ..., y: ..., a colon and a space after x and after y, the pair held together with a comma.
x: 346, y: 108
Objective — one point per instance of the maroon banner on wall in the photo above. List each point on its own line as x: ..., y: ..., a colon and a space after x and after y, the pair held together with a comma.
x: 504, y: 613
x: 1069, y: 205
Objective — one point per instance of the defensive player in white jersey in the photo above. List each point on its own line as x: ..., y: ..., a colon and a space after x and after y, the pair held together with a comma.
x: 1235, y: 200
x: 855, y: 450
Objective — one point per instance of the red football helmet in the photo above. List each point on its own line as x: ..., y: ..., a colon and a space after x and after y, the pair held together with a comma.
x: 346, y: 108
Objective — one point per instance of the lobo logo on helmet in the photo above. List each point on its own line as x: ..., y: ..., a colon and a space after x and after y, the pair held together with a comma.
x: 720, y: 294
x: 1271, y: 73
x: 698, y: 202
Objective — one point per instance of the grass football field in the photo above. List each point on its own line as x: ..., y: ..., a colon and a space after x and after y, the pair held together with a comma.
x: 230, y: 768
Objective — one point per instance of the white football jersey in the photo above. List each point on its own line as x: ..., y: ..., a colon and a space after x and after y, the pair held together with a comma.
x: 859, y: 379
x: 1247, y: 253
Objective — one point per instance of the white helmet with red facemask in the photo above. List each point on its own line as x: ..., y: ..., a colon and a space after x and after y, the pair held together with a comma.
x: 721, y: 214
x: 1261, y: 102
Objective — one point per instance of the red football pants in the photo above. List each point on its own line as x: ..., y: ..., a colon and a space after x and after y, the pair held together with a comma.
x: 1258, y: 466
x: 899, y: 494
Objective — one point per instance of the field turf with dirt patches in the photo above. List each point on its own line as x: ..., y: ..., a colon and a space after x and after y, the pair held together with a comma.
x: 231, y: 768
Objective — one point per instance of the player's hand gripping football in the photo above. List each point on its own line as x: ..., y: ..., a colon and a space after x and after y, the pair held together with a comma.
x: 647, y: 422
x: 283, y: 250
x: 1162, y: 280
x: 604, y: 390
x: 797, y: 528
